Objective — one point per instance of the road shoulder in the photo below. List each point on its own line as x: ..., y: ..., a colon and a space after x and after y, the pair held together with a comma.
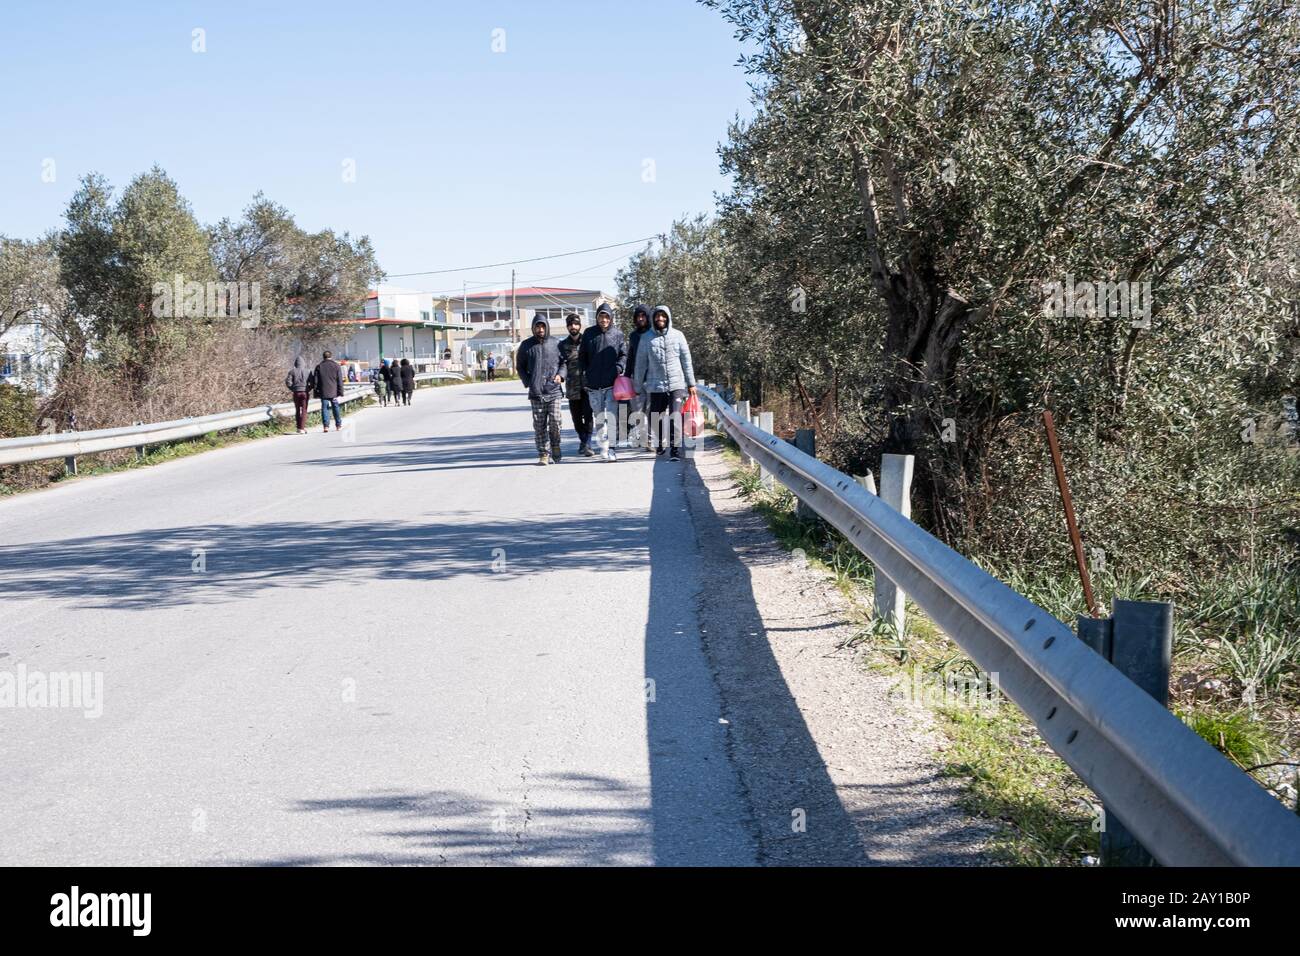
x: 838, y: 768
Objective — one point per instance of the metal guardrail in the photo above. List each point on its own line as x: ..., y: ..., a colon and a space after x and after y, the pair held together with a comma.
x: 74, y: 444
x: 1186, y: 803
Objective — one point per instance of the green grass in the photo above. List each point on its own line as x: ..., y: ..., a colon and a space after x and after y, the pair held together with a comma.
x: 1011, y: 776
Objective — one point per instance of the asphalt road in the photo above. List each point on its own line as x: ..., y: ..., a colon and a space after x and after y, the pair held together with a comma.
x: 413, y: 646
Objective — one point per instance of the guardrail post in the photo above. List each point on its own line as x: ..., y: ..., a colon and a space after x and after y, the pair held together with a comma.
x: 867, y: 481
x: 766, y: 423
x: 742, y: 410
x: 139, y: 449
x: 895, y: 491
x: 70, y: 466
x: 1142, y: 635
x: 805, y: 439
x: 1137, y: 639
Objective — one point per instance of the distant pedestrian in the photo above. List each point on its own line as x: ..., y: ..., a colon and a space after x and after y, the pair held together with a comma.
x: 492, y: 367
x: 352, y: 372
x: 602, y: 358
x: 632, y: 413
x: 541, y: 370
x: 664, y: 372
x: 408, y: 381
x: 296, y: 382
x: 379, y: 377
x: 327, y: 383
x: 579, y: 410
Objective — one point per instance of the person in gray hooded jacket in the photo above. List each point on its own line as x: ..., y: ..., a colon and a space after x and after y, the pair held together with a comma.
x: 664, y: 372
x: 297, y: 382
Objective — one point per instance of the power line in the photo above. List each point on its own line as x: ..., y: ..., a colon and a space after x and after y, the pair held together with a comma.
x: 515, y: 262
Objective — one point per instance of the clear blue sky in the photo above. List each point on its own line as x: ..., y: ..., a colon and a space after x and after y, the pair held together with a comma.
x: 462, y: 155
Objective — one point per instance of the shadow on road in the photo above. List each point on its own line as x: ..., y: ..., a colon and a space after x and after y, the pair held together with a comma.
x: 155, y: 568
x: 448, y: 826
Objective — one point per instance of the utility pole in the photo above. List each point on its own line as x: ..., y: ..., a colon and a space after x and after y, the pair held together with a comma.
x: 514, y: 318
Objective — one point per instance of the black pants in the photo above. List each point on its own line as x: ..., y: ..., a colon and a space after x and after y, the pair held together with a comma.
x: 580, y: 412
x: 666, y: 416
x: 492, y: 374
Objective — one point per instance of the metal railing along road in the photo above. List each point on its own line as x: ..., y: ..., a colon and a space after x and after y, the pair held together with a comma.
x: 73, y: 444
x: 1187, y: 803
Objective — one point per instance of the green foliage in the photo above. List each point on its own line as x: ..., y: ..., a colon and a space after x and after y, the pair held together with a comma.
x: 1235, y: 734
x: 17, y: 411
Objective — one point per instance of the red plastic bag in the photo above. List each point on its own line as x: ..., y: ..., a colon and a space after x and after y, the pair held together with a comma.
x: 692, y: 417
x: 623, y: 390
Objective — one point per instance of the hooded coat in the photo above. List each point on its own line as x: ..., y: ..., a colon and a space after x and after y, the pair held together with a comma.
x: 538, y: 362
x: 634, y: 342
x: 296, y: 380
x: 663, y: 360
x: 602, y: 355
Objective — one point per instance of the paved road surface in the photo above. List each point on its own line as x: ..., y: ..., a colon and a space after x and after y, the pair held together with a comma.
x: 413, y: 647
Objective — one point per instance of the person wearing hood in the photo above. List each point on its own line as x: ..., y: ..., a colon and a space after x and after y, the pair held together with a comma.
x: 382, y: 378
x: 631, y: 414
x: 665, y: 373
x: 579, y: 410
x: 407, y: 377
x: 541, y: 370
x: 296, y: 382
x: 602, y: 358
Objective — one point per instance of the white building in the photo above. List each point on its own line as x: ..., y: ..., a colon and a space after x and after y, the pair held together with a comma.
x: 499, y: 320
x: 396, y: 323
x: 28, y: 357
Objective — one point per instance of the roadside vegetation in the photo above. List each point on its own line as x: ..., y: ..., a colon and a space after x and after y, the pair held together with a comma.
x: 944, y: 221
x: 1048, y: 816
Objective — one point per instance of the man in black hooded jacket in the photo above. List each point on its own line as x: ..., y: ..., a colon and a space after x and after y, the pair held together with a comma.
x: 541, y: 370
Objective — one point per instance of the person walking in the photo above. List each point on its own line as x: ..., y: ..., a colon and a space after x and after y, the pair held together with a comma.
x: 327, y: 384
x: 579, y: 410
x: 632, y: 413
x: 602, y: 357
x: 408, y: 381
x: 380, y: 378
x: 665, y: 373
x: 296, y: 382
x: 492, y: 366
x: 541, y: 370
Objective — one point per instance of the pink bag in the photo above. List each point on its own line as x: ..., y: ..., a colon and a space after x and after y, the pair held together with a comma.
x: 623, y: 390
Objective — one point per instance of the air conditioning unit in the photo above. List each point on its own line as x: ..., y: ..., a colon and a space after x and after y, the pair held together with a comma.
x: 500, y: 324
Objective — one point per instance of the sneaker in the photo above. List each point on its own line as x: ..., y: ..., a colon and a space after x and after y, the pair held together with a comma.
x: 675, y: 456
x: 543, y: 459
x: 588, y: 451
x: 555, y: 454
x: 609, y: 455
x: 660, y: 451
x: 327, y: 430
x: 302, y: 431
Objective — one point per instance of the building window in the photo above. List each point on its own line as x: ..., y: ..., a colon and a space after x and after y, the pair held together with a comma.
x: 13, y: 363
x: 424, y: 316
x: 389, y: 312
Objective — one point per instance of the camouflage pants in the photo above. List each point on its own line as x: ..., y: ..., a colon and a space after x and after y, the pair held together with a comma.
x: 546, y: 424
